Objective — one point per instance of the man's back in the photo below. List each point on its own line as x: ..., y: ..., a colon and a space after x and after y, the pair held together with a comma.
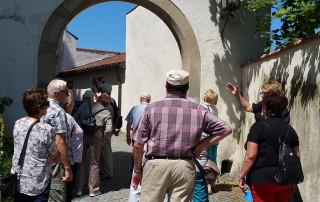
x: 136, y: 113
x: 174, y: 125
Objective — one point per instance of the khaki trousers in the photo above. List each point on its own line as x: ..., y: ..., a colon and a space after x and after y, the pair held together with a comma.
x: 106, y: 158
x: 57, y: 188
x: 174, y: 177
x: 92, y: 144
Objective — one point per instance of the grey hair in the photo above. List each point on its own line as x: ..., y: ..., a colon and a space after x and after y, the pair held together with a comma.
x: 55, y: 85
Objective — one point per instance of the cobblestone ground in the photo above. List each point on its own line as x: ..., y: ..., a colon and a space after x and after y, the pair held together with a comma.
x: 117, y: 189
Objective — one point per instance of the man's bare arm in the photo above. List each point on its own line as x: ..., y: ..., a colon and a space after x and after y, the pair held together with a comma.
x: 128, y: 133
x: 62, y: 148
x: 210, y: 141
x: 137, y: 157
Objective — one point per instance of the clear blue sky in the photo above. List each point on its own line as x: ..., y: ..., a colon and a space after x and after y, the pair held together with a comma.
x: 102, y: 26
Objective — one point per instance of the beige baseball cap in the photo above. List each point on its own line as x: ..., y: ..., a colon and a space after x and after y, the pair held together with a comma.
x: 177, y: 77
x: 146, y: 95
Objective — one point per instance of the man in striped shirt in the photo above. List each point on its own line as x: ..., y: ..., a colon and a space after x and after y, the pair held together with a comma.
x: 172, y: 129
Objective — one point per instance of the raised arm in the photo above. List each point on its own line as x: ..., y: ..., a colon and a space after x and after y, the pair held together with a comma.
x: 243, y: 102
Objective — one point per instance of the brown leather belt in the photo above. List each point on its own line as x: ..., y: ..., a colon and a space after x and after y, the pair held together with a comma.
x: 170, y: 157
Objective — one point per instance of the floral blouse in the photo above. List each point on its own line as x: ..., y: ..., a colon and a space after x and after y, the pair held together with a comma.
x: 76, y: 137
x: 36, y: 170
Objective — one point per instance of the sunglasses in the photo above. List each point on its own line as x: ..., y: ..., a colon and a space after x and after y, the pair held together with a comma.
x: 67, y: 93
x: 261, y: 93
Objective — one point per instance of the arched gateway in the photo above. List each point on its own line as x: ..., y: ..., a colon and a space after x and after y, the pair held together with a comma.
x: 167, y: 11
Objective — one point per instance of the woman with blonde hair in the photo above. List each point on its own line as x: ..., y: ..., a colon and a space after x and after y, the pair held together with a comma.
x: 210, y: 99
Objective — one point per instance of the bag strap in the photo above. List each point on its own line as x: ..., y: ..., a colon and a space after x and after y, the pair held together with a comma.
x: 24, y: 148
x: 208, y: 108
x: 199, y: 166
x: 90, y: 108
x: 97, y: 112
x: 279, y: 138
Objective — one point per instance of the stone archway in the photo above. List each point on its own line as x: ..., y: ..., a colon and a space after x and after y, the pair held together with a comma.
x: 167, y: 11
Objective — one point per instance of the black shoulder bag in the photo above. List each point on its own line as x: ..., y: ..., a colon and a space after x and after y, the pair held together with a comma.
x: 290, y: 169
x: 88, y: 124
x: 9, y: 181
x: 117, y: 119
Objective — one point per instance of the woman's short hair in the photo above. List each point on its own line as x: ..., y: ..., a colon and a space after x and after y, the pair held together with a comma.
x: 274, y: 104
x: 181, y: 89
x: 210, y: 97
x: 56, y: 85
x: 70, y: 99
x: 104, y: 98
x: 34, y: 99
x: 272, y: 85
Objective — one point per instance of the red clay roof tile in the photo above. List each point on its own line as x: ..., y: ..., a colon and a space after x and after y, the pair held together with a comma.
x: 108, y: 62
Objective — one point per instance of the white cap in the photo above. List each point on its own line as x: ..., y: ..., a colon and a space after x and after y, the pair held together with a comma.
x: 177, y: 77
x: 106, y: 88
x: 146, y: 95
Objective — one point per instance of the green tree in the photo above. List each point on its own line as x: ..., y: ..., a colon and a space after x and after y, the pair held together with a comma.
x: 299, y: 19
x: 6, y: 146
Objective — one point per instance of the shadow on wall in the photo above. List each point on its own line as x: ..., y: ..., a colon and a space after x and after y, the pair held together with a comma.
x: 235, y: 41
x: 299, y: 87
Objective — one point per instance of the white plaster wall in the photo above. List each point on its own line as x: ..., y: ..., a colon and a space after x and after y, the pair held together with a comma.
x: 21, y: 25
x: 220, y: 58
x: 151, y: 51
x: 298, y: 70
x: 83, y: 81
x: 69, y: 57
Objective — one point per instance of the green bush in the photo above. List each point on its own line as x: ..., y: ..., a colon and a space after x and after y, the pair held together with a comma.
x: 6, y: 144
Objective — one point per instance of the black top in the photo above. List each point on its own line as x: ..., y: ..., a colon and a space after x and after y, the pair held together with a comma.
x: 266, y: 165
x: 257, y: 109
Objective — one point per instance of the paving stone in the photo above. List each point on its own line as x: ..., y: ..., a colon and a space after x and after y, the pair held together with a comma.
x: 117, y: 189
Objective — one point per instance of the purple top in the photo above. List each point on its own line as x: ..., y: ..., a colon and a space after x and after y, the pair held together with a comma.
x: 173, y: 126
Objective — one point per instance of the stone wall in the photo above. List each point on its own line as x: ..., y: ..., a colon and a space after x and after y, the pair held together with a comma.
x: 297, y: 68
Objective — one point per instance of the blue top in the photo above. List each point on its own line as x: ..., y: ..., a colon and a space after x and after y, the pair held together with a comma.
x: 136, y: 113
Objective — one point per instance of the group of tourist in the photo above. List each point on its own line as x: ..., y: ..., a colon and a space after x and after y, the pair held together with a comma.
x: 167, y: 136
x: 55, y: 160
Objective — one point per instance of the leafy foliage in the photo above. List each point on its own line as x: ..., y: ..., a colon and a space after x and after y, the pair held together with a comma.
x: 299, y: 19
x: 5, y: 102
x: 6, y: 144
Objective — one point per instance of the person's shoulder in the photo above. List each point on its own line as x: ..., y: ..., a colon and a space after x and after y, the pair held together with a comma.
x: 257, y: 125
x: 156, y: 103
x: 44, y: 127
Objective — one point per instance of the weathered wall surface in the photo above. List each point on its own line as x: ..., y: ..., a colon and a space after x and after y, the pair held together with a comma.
x: 298, y: 70
x: 21, y: 25
x: 151, y: 51
x: 83, y: 81
x: 69, y: 57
